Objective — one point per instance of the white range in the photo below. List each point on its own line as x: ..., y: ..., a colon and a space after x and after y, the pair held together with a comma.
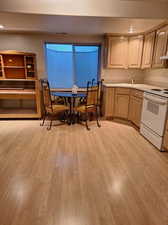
x: 154, y: 114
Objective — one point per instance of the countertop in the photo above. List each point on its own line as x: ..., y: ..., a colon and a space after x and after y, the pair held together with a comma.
x: 141, y: 87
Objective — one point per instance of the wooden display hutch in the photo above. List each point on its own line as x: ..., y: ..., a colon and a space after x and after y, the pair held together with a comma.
x: 19, y: 86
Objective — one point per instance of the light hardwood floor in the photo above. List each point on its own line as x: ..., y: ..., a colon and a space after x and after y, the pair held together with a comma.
x: 70, y: 176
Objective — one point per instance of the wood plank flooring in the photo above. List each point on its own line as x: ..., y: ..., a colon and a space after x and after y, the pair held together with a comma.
x: 70, y: 176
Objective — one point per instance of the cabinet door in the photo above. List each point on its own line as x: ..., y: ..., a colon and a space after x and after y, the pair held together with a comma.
x: 135, y: 109
x: 160, y: 47
x: 148, y: 50
x: 117, y: 52
x: 1, y: 68
x: 165, y: 140
x: 121, y: 106
x: 108, y: 101
x: 135, y: 51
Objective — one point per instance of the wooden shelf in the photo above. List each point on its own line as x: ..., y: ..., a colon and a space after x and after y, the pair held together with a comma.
x: 18, y: 65
x: 16, y: 111
x: 15, y: 67
x: 14, y: 75
x: 7, y: 113
x: 19, y: 79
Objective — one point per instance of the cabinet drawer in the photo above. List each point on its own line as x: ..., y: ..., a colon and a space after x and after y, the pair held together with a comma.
x: 122, y: 91
x: 137, y: 93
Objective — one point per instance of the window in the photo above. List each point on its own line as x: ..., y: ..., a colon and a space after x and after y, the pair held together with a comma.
x: 71, y: 64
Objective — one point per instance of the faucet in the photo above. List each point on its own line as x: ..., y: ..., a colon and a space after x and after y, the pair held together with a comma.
x: 132, y: 81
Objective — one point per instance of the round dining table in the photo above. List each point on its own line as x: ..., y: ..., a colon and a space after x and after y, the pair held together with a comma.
x: 71, y: 99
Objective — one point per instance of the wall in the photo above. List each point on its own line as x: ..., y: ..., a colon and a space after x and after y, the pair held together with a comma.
x: 35, y: 43
x: 158, y: 77
x: 122, y: 75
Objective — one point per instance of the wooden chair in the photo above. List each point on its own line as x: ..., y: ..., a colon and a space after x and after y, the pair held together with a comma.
x: 100, y: 96
x: 91, y: 103
x: 50, y: 109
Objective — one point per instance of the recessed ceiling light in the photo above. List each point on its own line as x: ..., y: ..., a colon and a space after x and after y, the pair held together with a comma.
x: 1, y: 26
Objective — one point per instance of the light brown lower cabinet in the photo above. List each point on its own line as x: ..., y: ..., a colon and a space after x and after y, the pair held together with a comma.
x: 108, y: 102
x: 165, y: 140
x: 135, y: 109
x: 121, y: 108
x: 123, y: 103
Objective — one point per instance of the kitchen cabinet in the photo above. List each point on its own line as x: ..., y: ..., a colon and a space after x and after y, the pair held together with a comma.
x: 122, y: 97
x: 135, y: 110
x: 160, y: 47
x: 135, y: 47
x: 108, y: 101
x: 117, y: 51
x: 123, y: 103
x: 165, y: 139
x: 135, y: 107
x: 148, y: 50
x: 123, y: 52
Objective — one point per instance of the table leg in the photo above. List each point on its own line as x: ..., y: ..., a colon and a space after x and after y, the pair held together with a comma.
x: 73, y: 112
x: 72, y: 116
x: 70, y: 111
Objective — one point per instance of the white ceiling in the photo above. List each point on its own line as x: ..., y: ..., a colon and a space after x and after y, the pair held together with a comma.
x: 73, y: 24
x: 105, y: 8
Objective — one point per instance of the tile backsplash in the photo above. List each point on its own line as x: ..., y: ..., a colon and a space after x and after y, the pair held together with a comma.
x: 158, y: 77
x: 122, y: 75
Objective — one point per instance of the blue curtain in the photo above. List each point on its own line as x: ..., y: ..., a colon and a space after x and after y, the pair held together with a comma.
x: 68, y: 65
x: 86, y: 64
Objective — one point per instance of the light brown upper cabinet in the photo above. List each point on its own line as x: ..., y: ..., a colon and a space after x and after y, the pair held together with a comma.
x: 160, y: 47
x: 117, y: 50
x: 123, y: 52
x: 135, y: 46
x: 148, y: 50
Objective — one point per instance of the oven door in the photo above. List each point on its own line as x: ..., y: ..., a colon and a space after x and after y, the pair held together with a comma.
x: 154, y: 112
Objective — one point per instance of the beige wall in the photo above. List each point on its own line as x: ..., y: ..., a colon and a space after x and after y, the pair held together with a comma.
x: 122, y: 75
x: 158, y: 77
x: 35, y: 43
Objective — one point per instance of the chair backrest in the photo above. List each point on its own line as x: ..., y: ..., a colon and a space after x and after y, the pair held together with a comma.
x: 46, y: 94
x: 92, y: 94
x: 100, y: 83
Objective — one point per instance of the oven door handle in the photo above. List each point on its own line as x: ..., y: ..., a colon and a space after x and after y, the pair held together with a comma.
x: 160, y: 101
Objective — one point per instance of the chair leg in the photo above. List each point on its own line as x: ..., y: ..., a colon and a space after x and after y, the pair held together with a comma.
x: 66, y: 116
x: 43, y: 120
x: 49, y: 128
x: 78, y: 117
x: 87, y: 127
x: 64, y: 119
x: 97, y: 117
